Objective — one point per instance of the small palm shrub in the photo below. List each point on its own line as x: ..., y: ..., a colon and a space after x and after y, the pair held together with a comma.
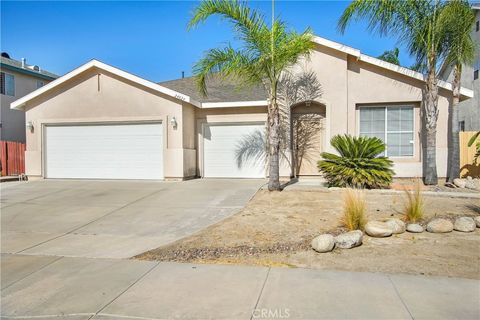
x: 354, y: 206
x: 414, y: 206
x: 358, y: 164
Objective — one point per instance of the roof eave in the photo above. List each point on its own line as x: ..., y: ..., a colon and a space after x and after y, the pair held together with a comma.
x: 234, y: 104
x: 26, y: 71
x: 466, y: 93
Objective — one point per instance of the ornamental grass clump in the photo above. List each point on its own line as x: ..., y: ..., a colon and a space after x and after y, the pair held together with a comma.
x: 354, y: 207
x: 415, y: 205
x: 359, y: 163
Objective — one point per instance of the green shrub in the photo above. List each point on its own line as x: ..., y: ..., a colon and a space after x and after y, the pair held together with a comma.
x: 475, y: 139
x: 414, y: 206
x: 354, y: 207
x: 358, y: 165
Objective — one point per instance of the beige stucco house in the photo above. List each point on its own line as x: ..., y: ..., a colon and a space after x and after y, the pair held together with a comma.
x: 101, y: 122
x: 17, y: 79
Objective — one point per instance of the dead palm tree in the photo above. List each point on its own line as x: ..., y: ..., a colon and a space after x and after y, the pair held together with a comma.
x: 416, y: 24
x: 457, y: 20
x: 266, y: 52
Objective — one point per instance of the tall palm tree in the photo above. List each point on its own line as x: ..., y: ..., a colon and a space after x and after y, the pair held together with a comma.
x: 416, y: 24
x: 457, y: 20
x: 265, y: 52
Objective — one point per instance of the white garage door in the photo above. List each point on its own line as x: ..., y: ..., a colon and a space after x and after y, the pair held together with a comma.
x: 224, y: 143
x: 121, y: 151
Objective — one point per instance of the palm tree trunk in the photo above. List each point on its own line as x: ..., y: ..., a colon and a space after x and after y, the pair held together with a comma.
x: 430, y: 117
x: 455, y: 147
x: 274, y: 144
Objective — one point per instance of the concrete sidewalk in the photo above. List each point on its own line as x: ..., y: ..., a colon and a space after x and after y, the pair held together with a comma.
x: 43, y: 287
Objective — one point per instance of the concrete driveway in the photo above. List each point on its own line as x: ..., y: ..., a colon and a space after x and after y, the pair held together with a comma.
x: 112, y: 219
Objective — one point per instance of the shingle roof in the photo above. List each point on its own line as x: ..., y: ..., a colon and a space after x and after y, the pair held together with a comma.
x: 18, y: 65
x: 219, y: 90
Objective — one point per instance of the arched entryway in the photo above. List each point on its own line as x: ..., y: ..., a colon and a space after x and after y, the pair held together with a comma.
x: 308, y: 137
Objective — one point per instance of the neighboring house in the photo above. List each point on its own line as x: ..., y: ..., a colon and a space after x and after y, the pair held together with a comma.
x: 17, y: 80
x: 101, y: 122
x: 469, y: 110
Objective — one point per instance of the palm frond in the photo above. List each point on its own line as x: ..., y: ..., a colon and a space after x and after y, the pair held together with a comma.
x: 456, y: 22
x: 225, y: 62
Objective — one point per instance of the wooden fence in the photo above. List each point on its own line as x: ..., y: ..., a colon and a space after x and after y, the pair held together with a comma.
x: 12, y: 158
x: 467, y: 167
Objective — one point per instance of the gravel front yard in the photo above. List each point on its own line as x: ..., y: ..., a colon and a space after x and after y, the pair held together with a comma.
x: 276, y: 229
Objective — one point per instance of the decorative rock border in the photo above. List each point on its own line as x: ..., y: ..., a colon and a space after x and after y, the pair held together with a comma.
x: 380, y: 229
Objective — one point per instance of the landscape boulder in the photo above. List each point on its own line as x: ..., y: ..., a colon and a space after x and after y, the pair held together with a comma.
x: 349, y: 240
x: 378, y: 229
x: 397, y: 225
x: 473, y: 184
x: 414, y: 228
x: 440, y: 225
x: 459, y: 182
x: 464, y: 224
x: 323, y: 243
x: 477, y: 221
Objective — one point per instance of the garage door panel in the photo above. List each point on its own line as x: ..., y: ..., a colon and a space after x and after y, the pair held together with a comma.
x: 221, y: 146
x: 130, y: 151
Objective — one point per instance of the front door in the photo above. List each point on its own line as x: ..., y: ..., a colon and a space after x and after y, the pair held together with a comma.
x: 307, y: 141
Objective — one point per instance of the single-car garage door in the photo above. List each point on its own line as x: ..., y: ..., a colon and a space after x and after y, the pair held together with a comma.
x: 224, y: 145
x: 120, y: 151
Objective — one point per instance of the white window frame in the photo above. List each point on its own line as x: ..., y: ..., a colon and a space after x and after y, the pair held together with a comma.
x: 414, y: 142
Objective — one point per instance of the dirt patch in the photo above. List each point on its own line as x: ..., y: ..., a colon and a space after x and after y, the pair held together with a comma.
x: 276, y: 229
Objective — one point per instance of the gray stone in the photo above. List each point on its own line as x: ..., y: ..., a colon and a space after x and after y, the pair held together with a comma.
x: 440, y: 225
x: 464, y: 224
x: 414, y: 228
x: 349, y: 240
x: 469, y: 184
x: 459, y: 182
x: 397, y: 225
x: 323, y: 243
x: 473, y: 184
x: 378, y: 229
x: 477, y: 221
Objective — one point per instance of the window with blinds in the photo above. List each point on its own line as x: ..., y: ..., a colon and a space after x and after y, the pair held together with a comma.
x: 394, y: 125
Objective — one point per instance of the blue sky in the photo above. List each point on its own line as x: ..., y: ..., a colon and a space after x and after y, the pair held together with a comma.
x: 150, y: 39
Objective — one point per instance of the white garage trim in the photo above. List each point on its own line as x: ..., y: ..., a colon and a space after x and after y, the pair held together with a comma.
x: 231, y: 170
x: 104, y: 150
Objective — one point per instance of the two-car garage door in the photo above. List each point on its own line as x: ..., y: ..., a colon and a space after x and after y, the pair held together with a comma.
x: 120, y: 151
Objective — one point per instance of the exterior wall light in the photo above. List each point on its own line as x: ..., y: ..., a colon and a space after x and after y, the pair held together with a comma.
x: 29, y: 126
x: 173, y: 122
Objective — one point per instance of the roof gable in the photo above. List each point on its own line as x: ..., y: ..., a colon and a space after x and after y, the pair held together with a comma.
x: 100, y: 65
